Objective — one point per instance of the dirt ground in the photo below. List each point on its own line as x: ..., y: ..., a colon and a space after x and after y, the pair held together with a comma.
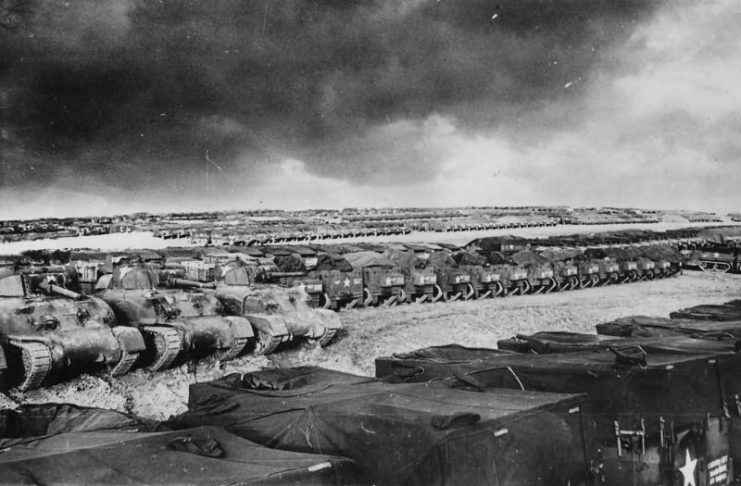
x: 377, y: 332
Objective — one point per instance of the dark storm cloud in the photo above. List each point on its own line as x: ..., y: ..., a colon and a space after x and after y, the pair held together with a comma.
x: 131, y: 91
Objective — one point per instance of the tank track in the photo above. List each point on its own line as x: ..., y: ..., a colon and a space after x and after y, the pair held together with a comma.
x: 167, y: 345
x: 327, y: 337
x: 36, y: 363
x: 124, y: 364
x: 266, y: 344
x: 234, y: 350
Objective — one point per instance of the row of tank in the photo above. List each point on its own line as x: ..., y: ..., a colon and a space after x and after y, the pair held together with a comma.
x: 63, y: 313
x: 345, y: 276
x: 645, y: 402
x: 54, y: 323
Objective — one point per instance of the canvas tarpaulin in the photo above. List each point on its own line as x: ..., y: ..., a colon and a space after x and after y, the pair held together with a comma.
x: 329, y: 262
x: 648, y: 326
x: 403, y: 433
x: 730, y: 311
x: 368, y: 259
x: 680, y: 388
x: 204, y: 455
x: 55, y: 418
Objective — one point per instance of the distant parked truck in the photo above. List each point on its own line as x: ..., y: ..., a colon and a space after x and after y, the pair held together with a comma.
x: 383, y: 282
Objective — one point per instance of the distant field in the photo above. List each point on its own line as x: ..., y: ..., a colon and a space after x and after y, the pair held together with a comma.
x: 143, y: 239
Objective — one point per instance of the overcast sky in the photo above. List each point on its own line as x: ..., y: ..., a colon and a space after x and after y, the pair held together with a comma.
x: 113, y: 106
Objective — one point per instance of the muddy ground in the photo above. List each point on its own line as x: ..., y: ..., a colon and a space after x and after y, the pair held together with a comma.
x: 376, y: 332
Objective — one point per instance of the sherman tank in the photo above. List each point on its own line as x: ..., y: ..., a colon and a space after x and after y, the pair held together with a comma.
x: 49, y: 330
x: 278, y: 313
x: 288, y: 266
x: 179, y: 320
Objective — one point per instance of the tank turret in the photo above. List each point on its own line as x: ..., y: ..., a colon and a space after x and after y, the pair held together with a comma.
x: 49, y: 329
x: 176, y: 322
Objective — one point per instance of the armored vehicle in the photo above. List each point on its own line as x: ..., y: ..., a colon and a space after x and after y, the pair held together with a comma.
x: 48, y: 329
x: 278, y: 313
x: 383, y: 282
x: 419, y: 280
x: 540, y: 274
x: 176, y: 317
x: 486, y: 279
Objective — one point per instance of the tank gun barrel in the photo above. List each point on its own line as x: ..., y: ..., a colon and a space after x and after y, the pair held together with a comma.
x: 52, y: 289
x: 285, y: 274
x: 184, y: 282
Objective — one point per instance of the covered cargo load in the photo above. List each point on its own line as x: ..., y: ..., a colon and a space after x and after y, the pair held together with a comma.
x: 649, y: 326
x: 730, y: 311
x: 660, y: 416
x: 66, y: 444
x: 422, y: 434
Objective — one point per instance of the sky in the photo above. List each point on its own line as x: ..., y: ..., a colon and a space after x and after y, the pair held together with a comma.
x: 117, y: 106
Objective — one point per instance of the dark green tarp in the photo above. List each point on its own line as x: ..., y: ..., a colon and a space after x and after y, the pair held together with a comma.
x: 679, y: 388
x: 204, y: 455
x: 730, y: 311
x: 407, y: 434
x: 647, y: 326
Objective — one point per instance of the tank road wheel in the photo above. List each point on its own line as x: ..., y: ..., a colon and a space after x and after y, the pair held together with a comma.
x: 164, y: 342
x: 265, y: 343
x: 437, y: 294
x: 593, y: 280
x: 573, y: 282
x: 525, y: 288
x: 552, y: 287
x: 327, y: 337
x: 238, y: 345
x: 128, y: 358
x: 499, y: 290
x: 324, y: 301
x: 613, y: 278
x: 368, y: 298
x: 36, y: 358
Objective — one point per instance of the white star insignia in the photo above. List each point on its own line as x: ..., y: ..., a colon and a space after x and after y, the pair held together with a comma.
x: 346, y: 282
x: 688, y: 470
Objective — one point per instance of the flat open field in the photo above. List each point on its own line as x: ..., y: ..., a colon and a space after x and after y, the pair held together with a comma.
x: 146, y: 239
x: 376, y: 332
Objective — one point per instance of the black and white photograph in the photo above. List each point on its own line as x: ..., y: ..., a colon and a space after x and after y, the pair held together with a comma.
x: 370, y: 242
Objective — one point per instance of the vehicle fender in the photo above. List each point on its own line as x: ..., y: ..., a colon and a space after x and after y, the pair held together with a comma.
x: 129, y: 338
x: 273, y: 325
x: 241, y: 326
